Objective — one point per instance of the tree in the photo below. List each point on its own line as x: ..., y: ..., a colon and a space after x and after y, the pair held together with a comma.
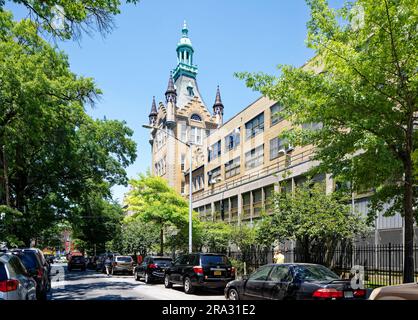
x: 362, y: 87
x: 215, y: 236
x: 66, y: 19
x: 44, y: 129
x: 152, y: 199
x: 137, y: 236
x: 96, y: 221
x: 316, y: 220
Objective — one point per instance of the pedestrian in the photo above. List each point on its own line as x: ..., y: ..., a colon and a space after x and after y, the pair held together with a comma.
x: 108, y: 263
x: 278, y: 256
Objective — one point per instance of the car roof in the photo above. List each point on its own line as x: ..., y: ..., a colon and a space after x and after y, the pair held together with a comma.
x: 159, y: 257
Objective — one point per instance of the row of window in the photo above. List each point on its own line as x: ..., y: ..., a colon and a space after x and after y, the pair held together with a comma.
x: 252, y: 128
x: 160, y: 139
x: 253, y: 158
x: 160, y: 167
x: 193, y: 134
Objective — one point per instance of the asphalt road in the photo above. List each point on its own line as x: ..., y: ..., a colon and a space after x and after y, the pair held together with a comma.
x: 91, y: 285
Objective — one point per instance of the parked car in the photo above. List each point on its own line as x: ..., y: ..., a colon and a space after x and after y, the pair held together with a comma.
x: 38, y: 268
x: 100, y: 263
x: 200, y: 270
x: 122, y: 264
x: 407, y: 291
x: 152, y: 268
x: 292, y: 281
x: 76, y: 262
x: 15, y: 281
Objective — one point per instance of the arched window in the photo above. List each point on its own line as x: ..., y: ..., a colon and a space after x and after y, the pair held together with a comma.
x: 196, y: 117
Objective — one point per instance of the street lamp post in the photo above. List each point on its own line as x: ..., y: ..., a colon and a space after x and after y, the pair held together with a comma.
x: 189, y: 145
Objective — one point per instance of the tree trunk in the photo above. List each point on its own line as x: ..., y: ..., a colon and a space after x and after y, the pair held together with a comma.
x: 408, y: 273
x: 162, y: 241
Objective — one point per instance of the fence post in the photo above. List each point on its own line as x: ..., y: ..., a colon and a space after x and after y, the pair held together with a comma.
x: 390, y: 264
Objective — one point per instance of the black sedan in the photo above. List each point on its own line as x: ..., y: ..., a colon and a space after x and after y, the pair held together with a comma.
x: 292, y: 281
x: 152, y: 268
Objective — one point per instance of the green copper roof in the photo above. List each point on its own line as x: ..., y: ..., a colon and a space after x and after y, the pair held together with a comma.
x: 185, y: 52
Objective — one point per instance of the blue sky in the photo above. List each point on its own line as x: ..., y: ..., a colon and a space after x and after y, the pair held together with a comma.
x: 133, y: 63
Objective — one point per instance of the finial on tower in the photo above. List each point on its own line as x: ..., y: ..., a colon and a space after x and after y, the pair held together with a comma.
x: 185, y: 30
x: 218, y: 107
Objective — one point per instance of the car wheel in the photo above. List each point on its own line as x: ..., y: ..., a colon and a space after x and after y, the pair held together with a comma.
x: 147, y: 279
x: 188, y: 287
x: 233, y: 294
x: 167, y: 282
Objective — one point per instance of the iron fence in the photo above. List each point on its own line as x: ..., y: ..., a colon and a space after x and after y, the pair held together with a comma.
x: 382, y: 264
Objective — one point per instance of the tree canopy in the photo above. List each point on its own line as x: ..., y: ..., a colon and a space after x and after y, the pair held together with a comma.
x: 55, y: 154
x: 69, y: 19
x: 152, y: 199
x: 362, y: 87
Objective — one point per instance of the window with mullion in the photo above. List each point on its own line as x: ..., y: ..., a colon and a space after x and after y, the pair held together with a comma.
x: 232, y: 168
x: 254, y: 126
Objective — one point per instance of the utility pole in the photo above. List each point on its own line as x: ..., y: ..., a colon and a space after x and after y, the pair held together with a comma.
x: 6, y: 177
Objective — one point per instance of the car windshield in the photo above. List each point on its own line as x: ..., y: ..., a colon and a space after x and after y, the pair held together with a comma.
x: 214, y: 260
x: 3, y: 273
x: 314, y: 273
x: 124, y: 259
x: 162, y: 262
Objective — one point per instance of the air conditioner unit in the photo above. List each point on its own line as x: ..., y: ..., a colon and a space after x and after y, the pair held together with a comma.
x: 281, y: 152
x: 289, y: 148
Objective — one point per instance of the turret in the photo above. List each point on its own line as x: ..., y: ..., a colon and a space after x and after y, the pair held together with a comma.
x: 171, y: 92
x: 218, y: 108
x: 153, y: 114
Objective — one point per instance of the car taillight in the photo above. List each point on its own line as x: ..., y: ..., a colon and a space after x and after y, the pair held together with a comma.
x: 233, y: 271
x: 359, y: 293
x: 328, y: 293
x: 152, y: 266
x: 114, y: 264
x: 40, y: 273
x: 9, y: 285
x: 198, y: 269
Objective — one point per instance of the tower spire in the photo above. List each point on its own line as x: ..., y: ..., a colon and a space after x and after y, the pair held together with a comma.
x: 153, y: 114
x: 218, y: 107
x: 171, y: 93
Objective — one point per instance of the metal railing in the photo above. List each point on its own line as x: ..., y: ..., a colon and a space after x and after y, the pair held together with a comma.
x: 383, y: 264
x: 284, y: 163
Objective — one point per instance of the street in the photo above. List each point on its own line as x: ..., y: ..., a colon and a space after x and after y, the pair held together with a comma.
x: 92, y: 285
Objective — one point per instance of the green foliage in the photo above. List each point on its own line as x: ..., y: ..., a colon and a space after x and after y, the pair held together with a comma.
x: 365, y: 97
x: 362, y: 86
x: 69, y: 18
x: 45, y: 129
x: 216, y: 236
x: 95, y: 221
x: 312, y: 218
x: 153, y: 200
x: 137, y: 236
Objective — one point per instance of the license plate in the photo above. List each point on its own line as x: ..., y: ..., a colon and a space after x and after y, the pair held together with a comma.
x: 217, y: 273
x: 348, y: 294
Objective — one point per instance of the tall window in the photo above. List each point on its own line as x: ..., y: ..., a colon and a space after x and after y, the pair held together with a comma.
x: 232, y: 168
x: 183, y: 160
x: 196, y: 135
x: 214, y: 151
x: 276, y: 145
x: 232, y: 140
x: 254, y: 126
x: 183, y: 132
x: 275, y: 116
x: 213, y: 174
x: 255, y: 157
